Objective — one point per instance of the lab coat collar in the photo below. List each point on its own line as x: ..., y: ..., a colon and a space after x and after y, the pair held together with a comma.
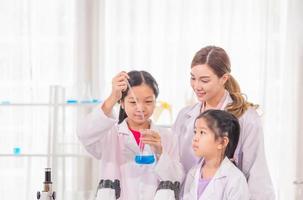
x: 226, y: 101
x: 194, y: 111
x: 129, y: 140
x: 222, y: 170
x: 221, y: 174
x: 123, y: 127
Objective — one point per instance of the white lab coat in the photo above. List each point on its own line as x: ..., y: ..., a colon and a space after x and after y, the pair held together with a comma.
x: 116, y: 148
x: 228, y: 183
x: 249, y: 155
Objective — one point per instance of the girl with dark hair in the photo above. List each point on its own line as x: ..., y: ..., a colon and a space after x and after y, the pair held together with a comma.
x: 116, y: 143
x: 215, y: 88
x: 216, y: 177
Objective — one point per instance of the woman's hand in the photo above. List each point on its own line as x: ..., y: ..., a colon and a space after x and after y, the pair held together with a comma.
x: 153, y: 139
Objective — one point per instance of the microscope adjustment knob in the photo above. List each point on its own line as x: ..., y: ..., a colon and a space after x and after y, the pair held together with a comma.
x: 38, y: 195
x: 54, y: 195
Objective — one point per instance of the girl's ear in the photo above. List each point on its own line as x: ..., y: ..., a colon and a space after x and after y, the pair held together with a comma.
x: 223, y: 143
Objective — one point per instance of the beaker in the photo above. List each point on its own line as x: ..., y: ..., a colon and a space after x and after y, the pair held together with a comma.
x: 146, y: 155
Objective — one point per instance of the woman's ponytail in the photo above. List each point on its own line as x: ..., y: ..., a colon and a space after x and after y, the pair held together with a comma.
x: 239, y: 104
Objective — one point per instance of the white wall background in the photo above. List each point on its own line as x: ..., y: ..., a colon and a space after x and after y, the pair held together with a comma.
x: 81, y: 44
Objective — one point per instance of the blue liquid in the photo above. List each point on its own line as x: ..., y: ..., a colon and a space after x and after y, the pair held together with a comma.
x: 85, y: 101
x: 5, y: 102
x: 17, y: 150
x: 96, y: 101
x: 93, y: 101
x: 145, y: 159
x: 71, y: 101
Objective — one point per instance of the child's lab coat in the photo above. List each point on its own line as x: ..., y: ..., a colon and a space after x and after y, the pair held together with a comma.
x: 228, y: 184
x: 115, y: 146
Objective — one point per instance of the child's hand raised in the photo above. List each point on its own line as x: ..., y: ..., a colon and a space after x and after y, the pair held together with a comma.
x: 119, y: 84
x: 152, y: 138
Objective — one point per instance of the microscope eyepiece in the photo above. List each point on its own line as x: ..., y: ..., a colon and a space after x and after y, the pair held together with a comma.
x: 48, y: 176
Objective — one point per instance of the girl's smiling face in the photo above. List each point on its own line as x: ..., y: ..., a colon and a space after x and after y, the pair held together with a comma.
x: 139, y: 110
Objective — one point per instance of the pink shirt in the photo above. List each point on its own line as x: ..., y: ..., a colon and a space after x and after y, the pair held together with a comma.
x: 136, y: 135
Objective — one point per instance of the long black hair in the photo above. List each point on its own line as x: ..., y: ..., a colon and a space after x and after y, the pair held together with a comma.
x: 223, y: 123
x: 137, y: 78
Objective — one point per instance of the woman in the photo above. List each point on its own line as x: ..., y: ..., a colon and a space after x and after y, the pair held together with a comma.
x: 215, y: 88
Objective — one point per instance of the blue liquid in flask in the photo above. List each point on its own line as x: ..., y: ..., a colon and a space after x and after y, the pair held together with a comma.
x: 145, y: 159
x: 145, y: 156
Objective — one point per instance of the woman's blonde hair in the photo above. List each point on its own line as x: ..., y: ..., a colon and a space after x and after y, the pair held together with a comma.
x: 217, y: 59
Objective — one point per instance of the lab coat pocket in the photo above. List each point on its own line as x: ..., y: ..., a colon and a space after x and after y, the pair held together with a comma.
x: 165, y: 195
x: 108, y: 190
x: 106, y: 194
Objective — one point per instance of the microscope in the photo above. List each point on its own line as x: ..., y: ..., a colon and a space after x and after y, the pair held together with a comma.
x: 47, y: 193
